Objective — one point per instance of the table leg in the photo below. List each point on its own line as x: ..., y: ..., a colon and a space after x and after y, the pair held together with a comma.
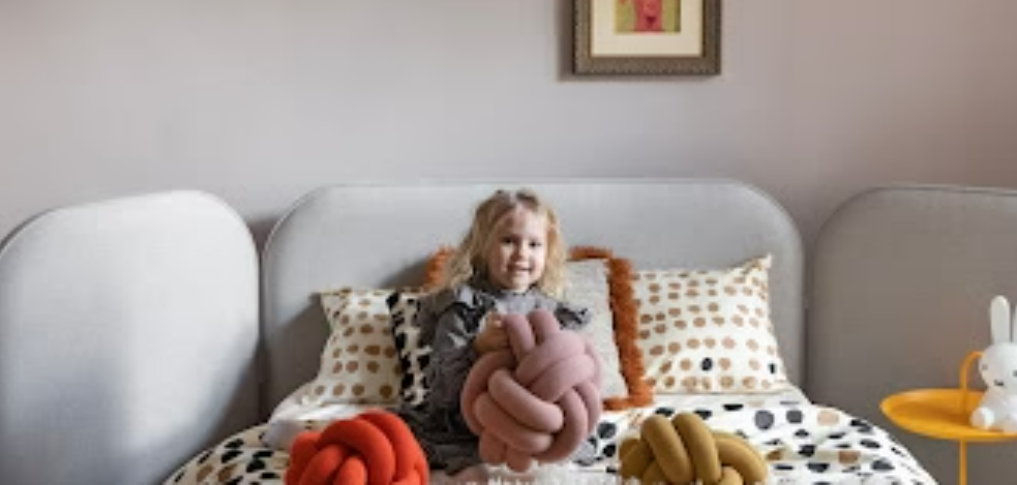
x: 963, y: 465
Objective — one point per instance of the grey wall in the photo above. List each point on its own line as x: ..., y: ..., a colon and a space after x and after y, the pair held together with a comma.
x: 902, y: 90
x: 259, y: 101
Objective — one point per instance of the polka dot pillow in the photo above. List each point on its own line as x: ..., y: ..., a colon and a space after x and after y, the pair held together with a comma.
x: 708, y: 331
x: 358, y: 364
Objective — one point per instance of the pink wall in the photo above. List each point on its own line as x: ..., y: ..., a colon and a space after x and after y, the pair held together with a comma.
x: 260, y: 101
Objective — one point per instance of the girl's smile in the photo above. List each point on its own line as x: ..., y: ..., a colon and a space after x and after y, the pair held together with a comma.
x: 517, y: 250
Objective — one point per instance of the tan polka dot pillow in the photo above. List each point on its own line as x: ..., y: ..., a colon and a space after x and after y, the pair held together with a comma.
x: 359, y: 363
x: 708, y: 331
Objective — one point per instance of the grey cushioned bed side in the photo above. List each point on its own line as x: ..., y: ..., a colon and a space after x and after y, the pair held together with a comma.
x: 380, y: 236
x: 128, y: 334
x: 902, y: 281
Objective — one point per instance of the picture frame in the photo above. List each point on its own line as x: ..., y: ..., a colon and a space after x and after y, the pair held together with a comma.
x: 647, y: 37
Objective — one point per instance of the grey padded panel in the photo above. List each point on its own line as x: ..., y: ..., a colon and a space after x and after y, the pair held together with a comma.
x: 380, y: 236
x: 901, y: 287
x: 128, y: 337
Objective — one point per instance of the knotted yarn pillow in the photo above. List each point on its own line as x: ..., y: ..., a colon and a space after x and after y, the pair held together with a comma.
x: 685, y: 451
x: 537, y: 400
x: 375, y: 447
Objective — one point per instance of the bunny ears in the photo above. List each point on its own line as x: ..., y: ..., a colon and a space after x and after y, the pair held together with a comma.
x: 1004, y: 329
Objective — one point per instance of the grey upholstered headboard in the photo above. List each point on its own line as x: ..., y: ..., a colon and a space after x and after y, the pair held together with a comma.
x: 902, y: 281
x: 128, y: 339
x: 379, y: 236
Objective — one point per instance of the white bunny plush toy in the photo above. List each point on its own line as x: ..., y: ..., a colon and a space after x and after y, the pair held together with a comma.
x: 998, y: 366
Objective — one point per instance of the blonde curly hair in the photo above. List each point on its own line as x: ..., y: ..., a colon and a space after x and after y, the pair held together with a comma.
x: 468, y: 258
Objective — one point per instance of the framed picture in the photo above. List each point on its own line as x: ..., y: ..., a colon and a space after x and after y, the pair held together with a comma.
x: 647, y: 37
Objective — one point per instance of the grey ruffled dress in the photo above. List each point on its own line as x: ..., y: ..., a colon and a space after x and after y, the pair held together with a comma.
x: 449, y: 321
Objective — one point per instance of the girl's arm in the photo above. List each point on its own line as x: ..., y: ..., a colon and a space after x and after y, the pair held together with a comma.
x: 452, y: 355
x: 431, y: 309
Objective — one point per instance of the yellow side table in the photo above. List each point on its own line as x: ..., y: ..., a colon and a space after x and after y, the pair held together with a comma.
x: 943, y: 414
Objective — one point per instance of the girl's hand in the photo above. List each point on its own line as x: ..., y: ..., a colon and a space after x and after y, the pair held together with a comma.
x: 492, y: 337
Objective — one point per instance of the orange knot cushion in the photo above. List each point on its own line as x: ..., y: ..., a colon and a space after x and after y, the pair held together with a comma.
x: 685, y: 451
x: 375, y: 448
x: 537, y: 400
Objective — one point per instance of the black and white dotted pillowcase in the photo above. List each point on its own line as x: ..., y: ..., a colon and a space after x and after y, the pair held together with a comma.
x: 413, y: 358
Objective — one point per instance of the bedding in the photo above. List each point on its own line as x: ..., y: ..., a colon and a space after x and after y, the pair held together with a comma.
x: 801, y: 442
x: 804, y: 443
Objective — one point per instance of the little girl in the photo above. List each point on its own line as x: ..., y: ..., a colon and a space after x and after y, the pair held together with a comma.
x: 511, y: 261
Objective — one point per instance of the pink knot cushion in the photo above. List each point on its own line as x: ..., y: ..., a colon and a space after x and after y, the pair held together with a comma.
x: 536, y: 401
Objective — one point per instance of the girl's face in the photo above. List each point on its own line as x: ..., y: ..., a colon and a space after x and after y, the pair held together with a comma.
x: 517, y: 250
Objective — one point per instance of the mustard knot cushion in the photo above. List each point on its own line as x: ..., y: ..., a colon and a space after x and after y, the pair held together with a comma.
x: 684, y: 451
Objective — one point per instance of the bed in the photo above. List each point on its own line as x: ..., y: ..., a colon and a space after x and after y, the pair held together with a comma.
x: 939, y: 254
x: 380, y: 238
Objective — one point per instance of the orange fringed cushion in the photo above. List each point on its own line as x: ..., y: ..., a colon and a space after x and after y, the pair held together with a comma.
x: 434, y: 273
x: 626, y: 327
x: 376, y: 448
x: 623, y: 307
